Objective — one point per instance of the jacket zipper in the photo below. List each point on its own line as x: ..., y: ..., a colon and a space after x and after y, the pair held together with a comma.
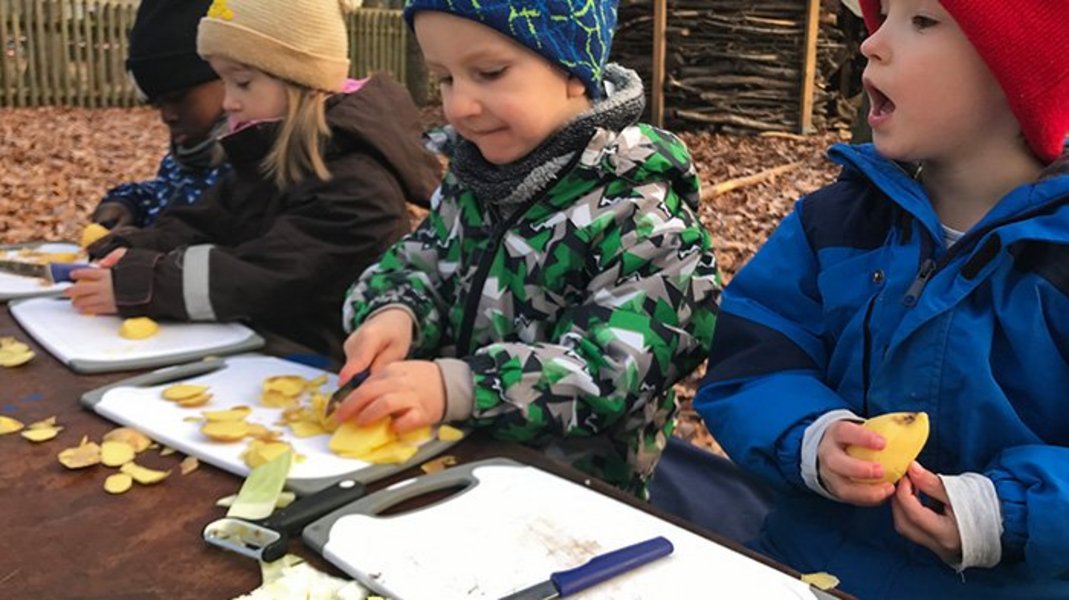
x: 929, y: 267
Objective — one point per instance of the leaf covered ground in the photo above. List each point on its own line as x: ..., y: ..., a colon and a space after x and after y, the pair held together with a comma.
x: 55, y: 163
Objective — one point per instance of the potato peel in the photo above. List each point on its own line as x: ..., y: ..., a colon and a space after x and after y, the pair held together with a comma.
x: 139, y: 441
x: 188, y: 465
x: 143, y: 475
x: 84, y: 455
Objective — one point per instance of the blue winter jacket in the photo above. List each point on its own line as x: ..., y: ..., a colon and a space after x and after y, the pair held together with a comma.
x: 174, y: 185
x: 856, y: 303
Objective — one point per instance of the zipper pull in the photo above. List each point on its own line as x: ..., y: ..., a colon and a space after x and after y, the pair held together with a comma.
x: 915, y: 288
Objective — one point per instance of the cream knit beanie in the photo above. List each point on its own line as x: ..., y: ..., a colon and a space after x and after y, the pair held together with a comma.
x: 301, y: 41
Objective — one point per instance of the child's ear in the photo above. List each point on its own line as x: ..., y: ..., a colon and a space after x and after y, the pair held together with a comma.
x: 576, y: 87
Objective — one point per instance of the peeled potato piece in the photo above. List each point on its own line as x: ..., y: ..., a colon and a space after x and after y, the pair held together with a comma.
x: 225, y: 431
x: 139, y: 441
x: 354, y: 441
x: 118, y: 483
x: 416, y: 436
x: 259, y: 453
x: 143, y: 475
x: 195, y: 401
x: 183, y: 391
x: 84, y: 455
x: 9, y: 425
x: 15, y: 359
x: 138, y: 328
x: 92, y: 233
x: 447, y: 433
x: 287, y: 385
x: 392, y: 453
x: 238, y: 413
x: 115, y: 453
x: 41, y: 434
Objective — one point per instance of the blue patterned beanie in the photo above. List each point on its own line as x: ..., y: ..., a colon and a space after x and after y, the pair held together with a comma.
x: 575, y: 35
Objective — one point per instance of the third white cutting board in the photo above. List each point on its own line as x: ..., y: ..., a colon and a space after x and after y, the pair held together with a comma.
x: 514, y: 525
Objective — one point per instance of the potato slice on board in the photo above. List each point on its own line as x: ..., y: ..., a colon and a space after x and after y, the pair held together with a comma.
x: 119, y: 483
x: 138, y: 328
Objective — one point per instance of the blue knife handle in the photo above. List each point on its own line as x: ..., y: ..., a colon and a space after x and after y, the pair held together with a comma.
x: 61, y: 272
x: 609, y: 565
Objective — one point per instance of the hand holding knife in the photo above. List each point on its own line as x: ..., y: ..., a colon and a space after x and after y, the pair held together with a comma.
x: 52, y: 272
x: 343, y: 392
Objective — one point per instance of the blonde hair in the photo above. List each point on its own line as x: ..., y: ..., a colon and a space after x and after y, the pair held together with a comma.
x: 302, y: 138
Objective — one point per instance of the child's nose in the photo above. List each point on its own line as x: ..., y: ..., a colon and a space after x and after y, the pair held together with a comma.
x: 875, y: 47
x: 230, y: 104
x: 461, y: 103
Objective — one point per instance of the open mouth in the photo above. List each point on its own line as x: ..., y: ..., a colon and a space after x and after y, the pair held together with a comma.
x: 880, y: 104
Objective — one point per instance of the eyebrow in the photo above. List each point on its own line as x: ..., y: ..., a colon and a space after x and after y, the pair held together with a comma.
x: 472, y: 57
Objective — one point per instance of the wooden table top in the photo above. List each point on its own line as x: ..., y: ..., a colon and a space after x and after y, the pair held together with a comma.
x: 62, y: 536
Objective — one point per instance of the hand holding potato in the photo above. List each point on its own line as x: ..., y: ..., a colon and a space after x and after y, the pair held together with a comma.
x: 839, y: 471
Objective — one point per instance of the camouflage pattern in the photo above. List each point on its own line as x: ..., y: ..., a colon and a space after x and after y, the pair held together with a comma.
x: 577, y: 313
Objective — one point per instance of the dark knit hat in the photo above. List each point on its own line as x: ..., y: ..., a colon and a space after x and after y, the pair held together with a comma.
x: 576, y: 36
x: 163, y: 47
x: 1025, y: 45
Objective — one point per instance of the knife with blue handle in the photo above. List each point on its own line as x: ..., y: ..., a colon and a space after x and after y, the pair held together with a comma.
x: 343, y: 392
x: 596, y: 570
x: 51, y: 272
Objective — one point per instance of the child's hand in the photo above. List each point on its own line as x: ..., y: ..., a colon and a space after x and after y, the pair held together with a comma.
x: 410, y: 391
x: 381, y: 340
x: 112, y: 258
x: 112, y: 214
x: 838, y: 470
x: 916, y: 522
x: 92, y: 292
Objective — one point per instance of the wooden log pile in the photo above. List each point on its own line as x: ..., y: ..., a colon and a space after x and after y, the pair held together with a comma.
x: 737, y: 65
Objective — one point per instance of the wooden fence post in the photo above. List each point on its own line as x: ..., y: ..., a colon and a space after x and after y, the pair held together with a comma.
x: 812, y: 32
x: 660, y: 24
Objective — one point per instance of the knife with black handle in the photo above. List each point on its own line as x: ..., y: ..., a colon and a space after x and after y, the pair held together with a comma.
x: 596, y: 570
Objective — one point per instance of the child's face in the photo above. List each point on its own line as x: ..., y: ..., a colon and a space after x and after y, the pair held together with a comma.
x: 932, y: 96
x: 251, y: 94
x: 191, y: 114
x: 495, y: 92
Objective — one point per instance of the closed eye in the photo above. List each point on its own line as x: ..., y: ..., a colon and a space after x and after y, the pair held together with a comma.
x: 491, y: 75
x: 921, y: 22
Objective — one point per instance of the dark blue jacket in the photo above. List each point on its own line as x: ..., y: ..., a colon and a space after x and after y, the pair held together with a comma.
x: 856, y: 303
x: 174, y: 185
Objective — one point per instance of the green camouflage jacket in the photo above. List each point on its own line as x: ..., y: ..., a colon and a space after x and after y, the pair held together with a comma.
x: 575, y: 314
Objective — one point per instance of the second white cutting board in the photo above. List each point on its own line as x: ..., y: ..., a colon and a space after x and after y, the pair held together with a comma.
x: 514, y: 525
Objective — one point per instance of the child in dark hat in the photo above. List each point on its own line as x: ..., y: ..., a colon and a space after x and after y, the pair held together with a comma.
x: 932, y: 277
x: 563, y: 281
x: 166, y: 69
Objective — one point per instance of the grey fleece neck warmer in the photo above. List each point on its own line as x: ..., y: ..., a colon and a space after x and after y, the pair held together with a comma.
x: 508, y: 186
x: 205, y: 155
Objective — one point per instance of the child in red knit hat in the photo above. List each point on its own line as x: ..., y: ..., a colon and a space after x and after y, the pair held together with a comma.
x: 933, y: 277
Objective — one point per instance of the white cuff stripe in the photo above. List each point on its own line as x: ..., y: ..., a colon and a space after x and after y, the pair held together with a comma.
x: 195, y: 285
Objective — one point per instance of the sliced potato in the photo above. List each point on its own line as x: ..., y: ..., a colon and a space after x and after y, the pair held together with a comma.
x: 114, y: 453
x: 259, y: 453
x: 392, y: 453
x: 188, y: 465
x: 195, y: 401
x: 119, y: 483
x: 92, y: 233
x: 416, y: 436
x: 143, y: 475
x: 303, y: 429
x: 183, y: 391
x: 225, y: 431
x: 354, y: 441
x: 41, y: 434
x: 139, y: 441
x: 15, y: 359
x: 84, y: 455
x: 237, y: 413
x: 138, y: 328
x: 9, y: 425
x: 287, y: 385
x: 448, y: 433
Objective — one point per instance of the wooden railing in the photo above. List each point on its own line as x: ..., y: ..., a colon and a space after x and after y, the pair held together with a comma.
x: 73, y: 52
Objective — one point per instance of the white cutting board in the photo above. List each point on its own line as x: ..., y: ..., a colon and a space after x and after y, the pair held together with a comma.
x: 89, y: 343
x: 238, y: 382
x: 15, y: 286
x: 515, y: 526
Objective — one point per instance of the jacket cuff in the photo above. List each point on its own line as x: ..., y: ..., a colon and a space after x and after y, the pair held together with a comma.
x: 132, y: 281
x: 459, y: 387
x: 814, y: 433
x: 978, y: 515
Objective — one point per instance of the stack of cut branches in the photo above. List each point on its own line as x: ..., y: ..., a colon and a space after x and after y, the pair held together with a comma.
x: 737, y: 65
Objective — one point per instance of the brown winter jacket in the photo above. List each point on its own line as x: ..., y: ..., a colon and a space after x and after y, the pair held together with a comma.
x: 281, y: 260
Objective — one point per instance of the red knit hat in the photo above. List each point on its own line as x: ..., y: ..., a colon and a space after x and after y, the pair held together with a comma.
x: 1026, y: 46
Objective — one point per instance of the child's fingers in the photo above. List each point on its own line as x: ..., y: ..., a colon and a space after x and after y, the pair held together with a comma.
x: 844, y: 465
x: 847, y: 433
x: 383, y: 406
x: 391, y: 353
x: 928, y: 483
x: 863, y: 494
x: 112, y: 258
x: 410, y: 420
x: 360, y: 350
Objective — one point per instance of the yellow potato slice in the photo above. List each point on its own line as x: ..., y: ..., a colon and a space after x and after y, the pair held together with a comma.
x: 41, y: 434
x: 225, y: 431
x: 316, y: 382
x: 195, y: 401
x: 276, y: 399
x: 119, y: 483
x: 188, y: 465
x: 416, y: 436
x: 354, y: 441
x: 303, y: 429
x: 165, y: 451
x: 48, y: 423
x: 238, y: 413
x: 821, y: 580
x: 392, y: 453
x: 84, y: 455
x: 448, y: 433
x: 114, y: 453
x: 10, y: 425
x: 139, y: 441
x: 183, y: 391
x: 287, y: 385
x: 92, y: 233
x: 439, y: 464
x: 138, y: 328
x: 143, y: 475
x: 10, y: 344
x: 15, y: 359
x: 259, y: 453
x: 60, y: 257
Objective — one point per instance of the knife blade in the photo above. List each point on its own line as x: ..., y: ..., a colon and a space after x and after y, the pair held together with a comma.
x: 51, y: 272
x: 596, y: 570
x: 341, y: 393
